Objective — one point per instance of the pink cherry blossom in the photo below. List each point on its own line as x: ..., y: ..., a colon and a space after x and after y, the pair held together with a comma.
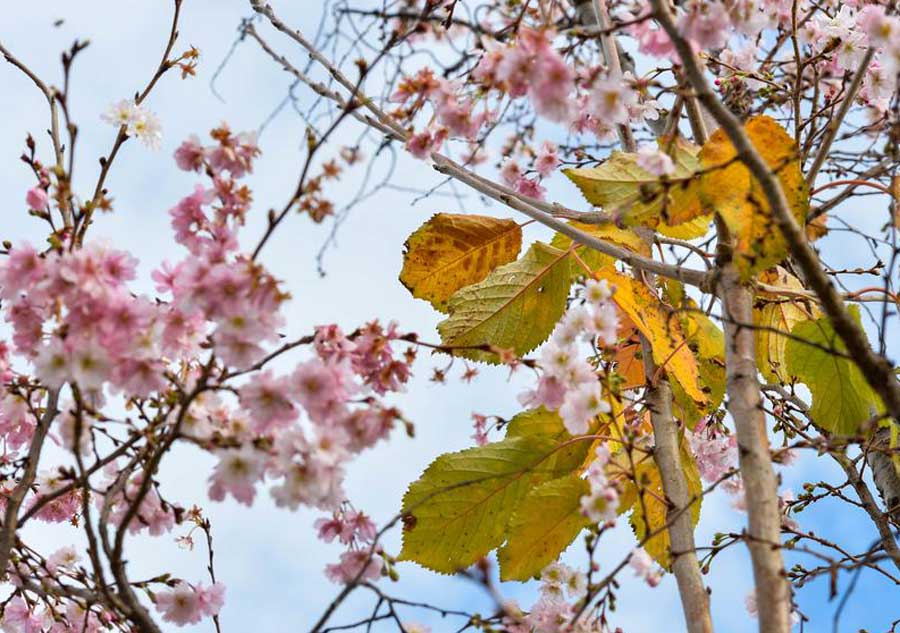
x: 37, y: 199
x: 705, y: 22
x: 237, y: 473
x: 362, y: 564
x: 530, y: 188
x: 180, y: 605
x: 547, y: 159
x: 266, y: 399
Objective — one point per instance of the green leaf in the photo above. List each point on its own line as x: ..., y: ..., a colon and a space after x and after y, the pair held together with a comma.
x: 539, y: 422
x: 543, y: 526
x: 842, y: 400
x: 450, y: 252
x: 459, y: 509
x: 547, y: 424
x: 515, y: 307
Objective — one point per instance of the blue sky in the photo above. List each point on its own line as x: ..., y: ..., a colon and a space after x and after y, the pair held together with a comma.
x: 269, y: 558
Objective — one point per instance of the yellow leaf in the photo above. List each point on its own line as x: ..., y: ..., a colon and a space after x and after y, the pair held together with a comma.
x: 776, y: 315
x: 628, y: 355
x: 707, y: 342
x: 818, y: 228
x: 542, y: 527
x: 450, y: 252
x: 663, y: 329
x: 689, y: 230
x: 515, y: 307
x: 729, y: 189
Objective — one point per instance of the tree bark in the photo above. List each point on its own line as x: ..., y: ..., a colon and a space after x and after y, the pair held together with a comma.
x: 760, y: 486
x: 884, y: 472
x: 667, y: 452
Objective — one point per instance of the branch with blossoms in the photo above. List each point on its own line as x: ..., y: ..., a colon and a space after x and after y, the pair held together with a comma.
x: 829, y: 73
x: 721, y: 147
x: 117, y: 379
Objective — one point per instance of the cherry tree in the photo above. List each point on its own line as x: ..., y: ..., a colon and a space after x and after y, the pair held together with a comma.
x: 681, y: 329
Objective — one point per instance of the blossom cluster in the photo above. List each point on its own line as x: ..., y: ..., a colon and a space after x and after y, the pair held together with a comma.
x: 569, y: 383
x: 838, y: 34
x: 531, y: 68
x: 565, y: 89
x: 185, y: 604
x: 557, y: 606
x: 334, y: 390
x: 193, y: 362
x: 354, y: 529
x: 716, y: 454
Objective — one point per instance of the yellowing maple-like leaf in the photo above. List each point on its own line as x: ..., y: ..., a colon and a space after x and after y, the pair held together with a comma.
x: 635, y: 196
x: 731, y: 191
x: 776, y: 315
x: 842, y: 400
x: 460, y: 508
x: 515, y: 307
x: 663, y: 330
x: 450, y: 252
x: 543, y: 525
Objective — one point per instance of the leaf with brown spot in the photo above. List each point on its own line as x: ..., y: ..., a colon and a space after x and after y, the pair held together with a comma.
x: 450, y: 252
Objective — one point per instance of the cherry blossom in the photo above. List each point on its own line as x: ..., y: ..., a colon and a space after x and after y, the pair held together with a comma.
x: 137, y: 121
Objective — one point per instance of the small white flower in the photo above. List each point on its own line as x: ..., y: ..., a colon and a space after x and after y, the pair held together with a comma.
x: 147, y: 128
x: 139, y: 122
x: 597, y: 292
x: 120, y: 113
